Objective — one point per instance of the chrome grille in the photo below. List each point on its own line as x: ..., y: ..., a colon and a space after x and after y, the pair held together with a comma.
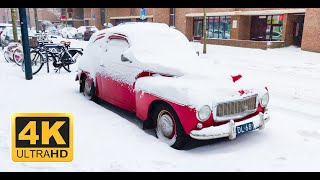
x: 237, y: 108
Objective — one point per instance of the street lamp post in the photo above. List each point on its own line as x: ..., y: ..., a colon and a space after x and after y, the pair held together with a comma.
x: 25, y: 43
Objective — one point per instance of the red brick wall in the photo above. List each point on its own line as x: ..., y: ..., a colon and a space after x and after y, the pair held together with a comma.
x: 97, y: 21
x: 87, y: 12
x: 161, y: 15
x: 259, y: 9
x: 208, y: 10
x: 116, y: 12
x: 244, y: 43
x: 78, y: 23
x: 311, y: 32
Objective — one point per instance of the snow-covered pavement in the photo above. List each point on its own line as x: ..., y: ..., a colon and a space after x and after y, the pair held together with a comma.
x: 109, y: 139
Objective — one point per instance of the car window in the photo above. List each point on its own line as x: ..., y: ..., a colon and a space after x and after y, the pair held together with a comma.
x: 275, y: 34
x: 114, y: 49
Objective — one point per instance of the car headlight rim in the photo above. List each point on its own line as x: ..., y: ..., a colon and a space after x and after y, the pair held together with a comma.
x: 264, y: 101
x: 204, y: 113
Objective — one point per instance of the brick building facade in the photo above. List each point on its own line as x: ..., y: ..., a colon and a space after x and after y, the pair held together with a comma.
x: 245, y: 27
x: 44, y: 14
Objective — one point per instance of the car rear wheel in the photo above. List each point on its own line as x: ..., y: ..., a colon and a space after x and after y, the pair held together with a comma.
x: 168, y: 127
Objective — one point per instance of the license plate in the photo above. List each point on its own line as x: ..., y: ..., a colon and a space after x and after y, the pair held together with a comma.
x: 244, y: 128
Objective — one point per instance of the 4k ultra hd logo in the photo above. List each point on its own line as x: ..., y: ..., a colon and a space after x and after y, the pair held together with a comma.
x: 42, y: 137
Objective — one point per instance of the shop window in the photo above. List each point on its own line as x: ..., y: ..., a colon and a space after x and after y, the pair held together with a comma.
x: 274, y: 28
x: 216, y: 27
x: 172, y: 17
x: 197, y: 28
x: 266, y: 28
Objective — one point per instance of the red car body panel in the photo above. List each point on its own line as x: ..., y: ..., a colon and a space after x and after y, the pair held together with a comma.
x: 118, y: 93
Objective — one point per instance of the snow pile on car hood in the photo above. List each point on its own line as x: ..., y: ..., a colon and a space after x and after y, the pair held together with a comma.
x: 197, y: 91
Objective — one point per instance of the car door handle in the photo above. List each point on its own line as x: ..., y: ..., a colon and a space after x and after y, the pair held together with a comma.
x: 102, y: 65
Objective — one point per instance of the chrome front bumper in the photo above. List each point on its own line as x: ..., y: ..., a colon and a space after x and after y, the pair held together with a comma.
x: 229, y: 129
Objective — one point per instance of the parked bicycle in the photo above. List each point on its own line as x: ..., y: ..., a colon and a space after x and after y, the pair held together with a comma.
x: 61, y: 55
x: 14, y: 53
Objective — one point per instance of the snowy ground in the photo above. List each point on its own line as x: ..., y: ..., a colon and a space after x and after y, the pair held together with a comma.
x: 109, y: 139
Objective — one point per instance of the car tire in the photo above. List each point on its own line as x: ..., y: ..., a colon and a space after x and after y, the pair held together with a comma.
x: 68, y: 36
x: 89, y: 90
x: 168, y: 127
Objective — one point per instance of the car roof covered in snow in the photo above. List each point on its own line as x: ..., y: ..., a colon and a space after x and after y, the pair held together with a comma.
x: 153, y: 45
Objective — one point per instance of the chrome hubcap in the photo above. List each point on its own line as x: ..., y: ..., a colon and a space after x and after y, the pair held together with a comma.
x: 165, y: 124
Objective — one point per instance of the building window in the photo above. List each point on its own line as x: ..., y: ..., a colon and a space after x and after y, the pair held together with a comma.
x: 4, y: 19
x: 266, y: 28
x: 172, y: 17
x: 63, y: 11
x: 197, y: 28
x: 274, y: 27
x: 216, y: 27
x: 86, y: 22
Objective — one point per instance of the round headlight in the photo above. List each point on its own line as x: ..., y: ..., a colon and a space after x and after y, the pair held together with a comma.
x: 264, y: 100
x: 204, y: 113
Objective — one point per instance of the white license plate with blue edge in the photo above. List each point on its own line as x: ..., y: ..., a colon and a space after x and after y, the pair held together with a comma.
x: 244, y: 128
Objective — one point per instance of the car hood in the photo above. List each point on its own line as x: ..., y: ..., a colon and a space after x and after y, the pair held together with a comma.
x: 197, y: 90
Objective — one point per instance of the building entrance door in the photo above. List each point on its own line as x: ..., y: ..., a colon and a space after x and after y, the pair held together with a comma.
x: 298, y: 30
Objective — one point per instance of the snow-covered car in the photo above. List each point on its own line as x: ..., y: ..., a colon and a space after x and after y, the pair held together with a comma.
x: 3, y: 26
x: 153, y: 70
x: 85, y: 32
x: 7, y: 36
x: 68, y: 32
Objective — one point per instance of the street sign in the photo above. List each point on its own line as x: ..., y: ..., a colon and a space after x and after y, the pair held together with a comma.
x: 143, y: 13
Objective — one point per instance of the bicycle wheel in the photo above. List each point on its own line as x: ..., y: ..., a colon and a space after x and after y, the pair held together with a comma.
x: 36, y: 61
x: 18, y: 56
x: 6, y: 56
x: 67, y: 61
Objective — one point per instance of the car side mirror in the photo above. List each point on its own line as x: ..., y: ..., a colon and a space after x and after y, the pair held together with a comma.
x: 124, y: 59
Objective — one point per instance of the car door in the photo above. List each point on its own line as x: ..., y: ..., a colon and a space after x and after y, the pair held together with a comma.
x: 116, y: 76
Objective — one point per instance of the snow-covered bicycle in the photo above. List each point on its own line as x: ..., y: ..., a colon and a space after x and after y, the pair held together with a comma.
x: 14, y: 53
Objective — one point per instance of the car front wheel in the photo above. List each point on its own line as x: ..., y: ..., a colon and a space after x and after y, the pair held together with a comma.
x: 168, y: 127
x: 88, y: 88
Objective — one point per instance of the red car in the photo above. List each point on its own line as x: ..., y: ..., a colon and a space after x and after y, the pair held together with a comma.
x: 153, y: 70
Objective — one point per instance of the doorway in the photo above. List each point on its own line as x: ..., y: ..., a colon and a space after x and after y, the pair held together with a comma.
x: 297, y: 29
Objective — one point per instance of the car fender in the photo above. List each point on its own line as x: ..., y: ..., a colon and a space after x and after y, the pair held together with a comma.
x: 186, y: 114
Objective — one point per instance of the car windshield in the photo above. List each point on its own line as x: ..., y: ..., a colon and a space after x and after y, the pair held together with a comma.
x: 163, y: 47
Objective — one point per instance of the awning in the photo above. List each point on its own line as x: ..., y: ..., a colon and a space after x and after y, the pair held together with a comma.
x: 129, y: 17
x: 248, y: 13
